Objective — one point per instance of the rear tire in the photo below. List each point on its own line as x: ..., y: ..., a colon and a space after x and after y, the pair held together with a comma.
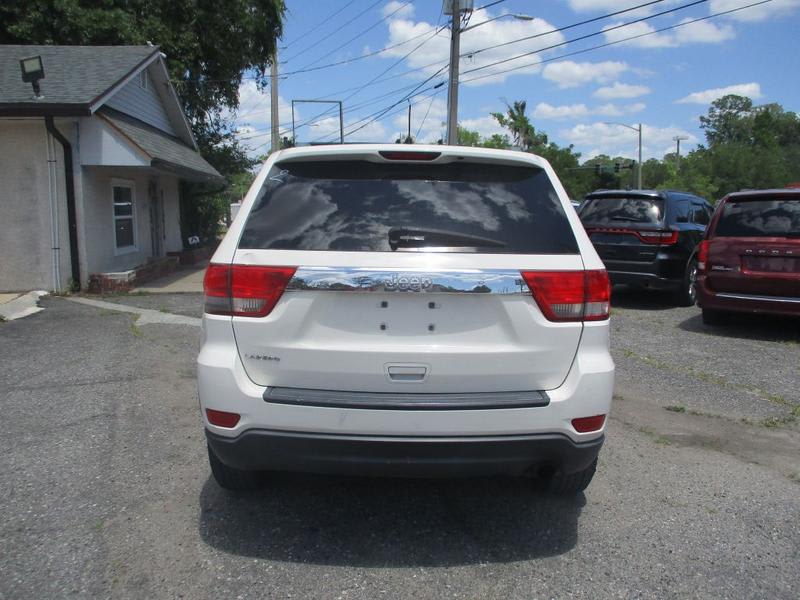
x: 573, y: 483
x: 686, y: 295
x: 714, y: 317
x: 233, y: 479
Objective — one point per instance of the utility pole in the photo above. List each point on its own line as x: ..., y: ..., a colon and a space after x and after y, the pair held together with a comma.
x: 273, y: 76
x: 454, y: 8
x: 677, y: 140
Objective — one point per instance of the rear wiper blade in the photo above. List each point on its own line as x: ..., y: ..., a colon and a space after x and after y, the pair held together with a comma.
x: 628, y: 219
x: 420, y: 237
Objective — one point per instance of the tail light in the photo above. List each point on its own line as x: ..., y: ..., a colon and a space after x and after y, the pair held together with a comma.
x: 588, y: 424
x: 406, y: 155
x: 702, y: 256
x: 244, y: 290
x: 570, y: 295
x: 662, y: 238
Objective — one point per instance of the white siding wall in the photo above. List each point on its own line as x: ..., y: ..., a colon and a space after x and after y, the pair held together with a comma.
x: 26, y: 256
x: 99, y: 225
x: 143, y: 104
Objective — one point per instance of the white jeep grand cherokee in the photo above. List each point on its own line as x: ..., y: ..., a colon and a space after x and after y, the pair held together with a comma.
x: 406, y: 311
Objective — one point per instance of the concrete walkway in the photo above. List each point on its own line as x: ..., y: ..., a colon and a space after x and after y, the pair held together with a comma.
x: 16, y: 306
x: 146, y: 315
x: 185, y: 279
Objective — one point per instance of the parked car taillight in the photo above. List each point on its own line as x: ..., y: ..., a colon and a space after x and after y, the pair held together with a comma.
x: 244, y: 290
x: 665, y: 238
x: 702, y: 256
x: 571, y: 295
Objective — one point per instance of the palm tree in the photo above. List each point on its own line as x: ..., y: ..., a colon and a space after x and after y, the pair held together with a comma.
x: 522, y: 131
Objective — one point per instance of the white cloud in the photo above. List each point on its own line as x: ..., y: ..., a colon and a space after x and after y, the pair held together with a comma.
x: 568, y: 74
x: 608, y: 6
x: 616, y: 140
x: 544, y: 110
x: 398, y: 10
x: 433, y: 55
x: 621, y: 90
x: 486, y: 126
x: 703, y: 32
x: 755, y: 13
x: 751, y: 90
x: 652, y: 40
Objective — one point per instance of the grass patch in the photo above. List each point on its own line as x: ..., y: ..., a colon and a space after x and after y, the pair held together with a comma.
x: 676, y: 408
x: 135, y: 329
x: 793, y: 477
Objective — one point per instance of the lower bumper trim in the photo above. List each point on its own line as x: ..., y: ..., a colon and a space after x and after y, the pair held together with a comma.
x: 400, y: 456
x: 405, y: 401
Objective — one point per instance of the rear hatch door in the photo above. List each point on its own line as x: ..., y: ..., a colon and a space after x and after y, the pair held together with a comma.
x: 408, y: 277
x: 626, y: 228
x: 755, y: 247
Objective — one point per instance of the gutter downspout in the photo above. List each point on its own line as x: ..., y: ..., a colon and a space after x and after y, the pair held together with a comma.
x: 55, y: 221
x: 72, y: 219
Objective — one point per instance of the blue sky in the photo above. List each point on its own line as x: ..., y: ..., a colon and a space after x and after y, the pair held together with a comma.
x: 664, y: 81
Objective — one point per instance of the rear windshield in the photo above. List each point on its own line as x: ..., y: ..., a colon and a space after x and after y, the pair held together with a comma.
x: 622, y: 209
x: 375, y: 207
x: 760, y: 218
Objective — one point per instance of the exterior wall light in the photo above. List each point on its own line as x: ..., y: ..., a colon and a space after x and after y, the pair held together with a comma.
x: 32, y: 71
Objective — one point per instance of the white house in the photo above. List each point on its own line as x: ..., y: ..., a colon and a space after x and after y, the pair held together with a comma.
x: 90, y: 168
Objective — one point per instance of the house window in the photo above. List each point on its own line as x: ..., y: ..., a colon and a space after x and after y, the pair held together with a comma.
x: 124, y: 216
x: 143, y: 79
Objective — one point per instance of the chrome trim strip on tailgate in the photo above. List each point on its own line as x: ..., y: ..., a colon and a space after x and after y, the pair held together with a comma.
x: 730, y: 296
x: 358, y: 279
x: 405, y: 401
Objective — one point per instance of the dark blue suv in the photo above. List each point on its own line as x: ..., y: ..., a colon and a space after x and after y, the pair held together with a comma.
x: 648, y: 238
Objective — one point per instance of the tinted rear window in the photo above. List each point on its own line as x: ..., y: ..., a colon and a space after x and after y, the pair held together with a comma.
x: 622, y: 209
x: 354, y: 205
x: 760, y: 218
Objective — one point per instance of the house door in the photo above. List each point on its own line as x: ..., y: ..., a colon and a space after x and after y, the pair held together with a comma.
x: 156, y: 219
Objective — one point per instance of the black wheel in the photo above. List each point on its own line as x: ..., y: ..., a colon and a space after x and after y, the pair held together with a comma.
x: 687, y: 293
x: 714, y: 317
x: 572, y: 483
x: 233, y: 479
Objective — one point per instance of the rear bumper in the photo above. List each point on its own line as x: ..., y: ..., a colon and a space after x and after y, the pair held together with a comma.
x: 401, y: 456
x: 746, y: 303
x: 663, y: 273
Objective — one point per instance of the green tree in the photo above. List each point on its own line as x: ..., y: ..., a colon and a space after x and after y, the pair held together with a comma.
x: 517, y: 122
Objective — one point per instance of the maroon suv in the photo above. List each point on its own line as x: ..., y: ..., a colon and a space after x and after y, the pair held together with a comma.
x: 749, y: 260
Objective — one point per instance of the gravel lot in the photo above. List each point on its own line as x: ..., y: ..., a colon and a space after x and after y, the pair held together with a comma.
x: 105, y: 488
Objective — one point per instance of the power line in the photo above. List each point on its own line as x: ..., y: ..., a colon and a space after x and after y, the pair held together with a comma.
x: 362, y: 56
x: 607, y: 44
x: 363, y: 32
x: 425, y: 118
x: 485, y: 6
x: 334, y: 32
x: 566, y: 27
x: 318, y: 25
x: 583, y: 37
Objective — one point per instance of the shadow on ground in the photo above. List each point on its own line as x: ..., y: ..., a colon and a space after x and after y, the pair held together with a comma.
x: 637, y: 298
x: 389, y: 522
x: 748, y: 327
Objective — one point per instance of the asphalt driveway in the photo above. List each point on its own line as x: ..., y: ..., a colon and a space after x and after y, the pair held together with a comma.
x: 105, y: 489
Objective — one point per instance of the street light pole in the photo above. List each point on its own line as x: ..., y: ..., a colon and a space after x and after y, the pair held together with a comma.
x: 677, y: 140
x: 639, y: 167
x: 273, y: 80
